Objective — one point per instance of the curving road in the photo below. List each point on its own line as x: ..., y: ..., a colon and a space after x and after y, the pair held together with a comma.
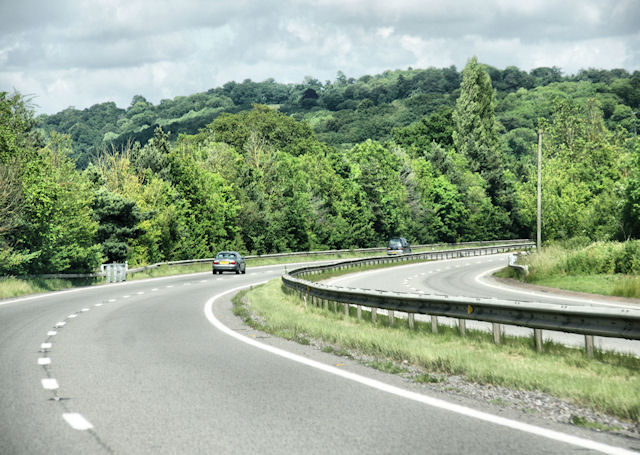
x: 162, y: 366
x: 470, y: 277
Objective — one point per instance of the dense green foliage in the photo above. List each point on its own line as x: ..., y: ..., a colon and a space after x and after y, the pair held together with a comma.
x: 434, y: 155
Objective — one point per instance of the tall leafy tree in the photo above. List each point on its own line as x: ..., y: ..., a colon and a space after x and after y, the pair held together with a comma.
x: 476, y: 137
x: 57, y: 213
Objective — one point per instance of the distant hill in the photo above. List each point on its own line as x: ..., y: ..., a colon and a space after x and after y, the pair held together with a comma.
x: 347, y: 111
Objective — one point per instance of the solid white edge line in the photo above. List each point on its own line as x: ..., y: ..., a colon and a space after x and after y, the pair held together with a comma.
x: 481, y: 280
x: 76, y: 421
x: 434, y: 402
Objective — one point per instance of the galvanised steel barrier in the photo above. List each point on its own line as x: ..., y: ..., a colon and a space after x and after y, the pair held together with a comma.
x: 275, y: 255
x: 608, y: 322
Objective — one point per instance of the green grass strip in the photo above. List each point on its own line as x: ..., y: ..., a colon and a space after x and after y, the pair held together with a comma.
x: 608, y: 382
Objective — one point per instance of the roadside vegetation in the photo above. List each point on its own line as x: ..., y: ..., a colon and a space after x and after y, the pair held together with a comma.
x: 607, y: 268
x: 607, y: 382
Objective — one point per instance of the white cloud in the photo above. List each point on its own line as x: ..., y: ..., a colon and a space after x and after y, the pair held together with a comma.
x: 81, y: 52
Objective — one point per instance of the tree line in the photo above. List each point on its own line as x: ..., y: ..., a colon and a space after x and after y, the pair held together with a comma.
x: 264, y: 179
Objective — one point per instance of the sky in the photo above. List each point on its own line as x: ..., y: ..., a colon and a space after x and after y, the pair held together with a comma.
x: 78, y: 53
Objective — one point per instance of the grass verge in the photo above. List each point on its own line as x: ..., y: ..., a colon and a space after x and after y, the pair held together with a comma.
x: 608, y: 382
x: 606, y: 268
x: 16, y: 287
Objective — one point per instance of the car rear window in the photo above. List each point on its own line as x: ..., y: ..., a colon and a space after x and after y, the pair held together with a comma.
x: 395, y: 243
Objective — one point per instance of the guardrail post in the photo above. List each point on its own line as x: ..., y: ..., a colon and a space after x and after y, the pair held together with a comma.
x: 359, y: 307
x: 346, y: 309
x: 496, y: 333
x: 588, y: 344
x: 462, y: 327
x: 374, y: 314
x: 434, y: 324
x: 537, y: 339
x: 326, y: 305
x: 392, y: 317
x: 411, y: 319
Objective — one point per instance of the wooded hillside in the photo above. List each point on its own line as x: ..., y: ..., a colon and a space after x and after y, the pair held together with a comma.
x: 433, y: 155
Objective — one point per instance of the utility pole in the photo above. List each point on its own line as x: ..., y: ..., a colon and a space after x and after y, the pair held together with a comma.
x: 539, y: 236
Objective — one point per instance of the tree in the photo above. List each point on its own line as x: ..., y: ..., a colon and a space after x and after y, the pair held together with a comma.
x: 476, y: 136
x: 57, y: 222
x: 375, y: 169
x: 118, y: 220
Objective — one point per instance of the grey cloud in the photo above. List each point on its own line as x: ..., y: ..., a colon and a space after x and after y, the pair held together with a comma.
x: 162, y: 48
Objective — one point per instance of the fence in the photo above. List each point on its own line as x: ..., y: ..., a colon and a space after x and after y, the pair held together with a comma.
x: 608, y: 322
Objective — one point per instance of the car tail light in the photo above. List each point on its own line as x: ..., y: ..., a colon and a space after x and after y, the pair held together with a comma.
x: 233, y: 262
x: 216, y: 262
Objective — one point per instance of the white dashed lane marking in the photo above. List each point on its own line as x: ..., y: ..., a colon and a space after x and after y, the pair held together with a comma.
x: 50, y: 384
x: 76, y: 421
x: 45, y: 346
x: 44, y: 361
x: 52, y: 333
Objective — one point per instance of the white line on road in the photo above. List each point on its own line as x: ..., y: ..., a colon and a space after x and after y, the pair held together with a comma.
x: 434, y: 402
x: 60, y: 324
x: 50, y: 384
x: 52, y: 333
x: 76, y: 421
x: 45, y: 346
x: 481, y: 279
x: 44, y: 361
x: 71, y: 316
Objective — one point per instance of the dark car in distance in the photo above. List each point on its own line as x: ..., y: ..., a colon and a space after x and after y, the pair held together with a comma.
x: 229, y: 261
x: 398, y: 245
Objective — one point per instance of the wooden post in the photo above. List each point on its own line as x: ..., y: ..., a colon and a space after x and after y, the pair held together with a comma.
x: 374, y: 314
x: 434, y: 324
x: 392, y: 317
x: 588, y: 344
x: 496, y: 333
x: 537, y: 339
x: 346, y: 309
x: 359, y: 307
x: 539, y: 232
x: 462, y: 327
x: 411, y: 319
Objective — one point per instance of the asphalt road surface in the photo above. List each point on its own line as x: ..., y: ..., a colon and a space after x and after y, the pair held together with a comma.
x: 471, y: 277
x: 162, y: 366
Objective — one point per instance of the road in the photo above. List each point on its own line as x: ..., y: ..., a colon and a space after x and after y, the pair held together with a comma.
x: 471, y: 277
x: 162, y: 366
